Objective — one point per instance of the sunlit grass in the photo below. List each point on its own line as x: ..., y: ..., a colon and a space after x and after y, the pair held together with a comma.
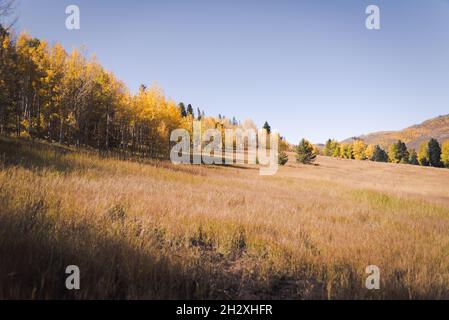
x: 154, y: 230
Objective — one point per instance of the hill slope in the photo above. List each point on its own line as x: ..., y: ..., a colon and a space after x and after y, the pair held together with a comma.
x: 437, y: 128
x: 153, y: 230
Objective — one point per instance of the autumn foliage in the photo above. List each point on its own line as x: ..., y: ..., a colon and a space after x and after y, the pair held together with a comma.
x: 430, y: 153
x: 64, y: 97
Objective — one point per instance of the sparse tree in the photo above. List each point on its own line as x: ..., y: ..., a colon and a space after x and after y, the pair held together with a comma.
x: 7, y: 7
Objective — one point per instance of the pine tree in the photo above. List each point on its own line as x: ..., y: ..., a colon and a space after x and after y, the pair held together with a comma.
x: 190, y: 110
x: 305, y: 152
x: 182, y: 110
x: 282, y: 158
x: 434, y: 153
x: 267, y: 127
x: 403, y: 152
x: 379, y: 154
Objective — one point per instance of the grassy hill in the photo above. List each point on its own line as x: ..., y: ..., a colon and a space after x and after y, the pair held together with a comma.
x: 437, y: 128
x: 155, y: 230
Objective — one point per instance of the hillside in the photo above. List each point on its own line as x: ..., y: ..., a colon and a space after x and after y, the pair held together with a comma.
x: 437, y: 128
x: 142, y: 230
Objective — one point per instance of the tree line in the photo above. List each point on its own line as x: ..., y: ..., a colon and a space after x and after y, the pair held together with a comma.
x: 67, y: 98
x: 63, y: 97
x: 430, y: 153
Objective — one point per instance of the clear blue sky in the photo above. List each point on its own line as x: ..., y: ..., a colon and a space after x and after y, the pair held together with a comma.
x: 310, y: 68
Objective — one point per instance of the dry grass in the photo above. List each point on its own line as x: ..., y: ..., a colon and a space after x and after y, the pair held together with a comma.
x: 154, y: 230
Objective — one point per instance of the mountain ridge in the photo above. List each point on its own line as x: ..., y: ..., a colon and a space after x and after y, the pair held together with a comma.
x: 413, y: 136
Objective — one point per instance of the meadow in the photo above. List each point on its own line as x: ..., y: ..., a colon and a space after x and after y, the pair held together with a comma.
x: 154, y: 230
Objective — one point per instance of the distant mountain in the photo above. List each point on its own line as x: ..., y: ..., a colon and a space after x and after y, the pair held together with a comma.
x: 437, y: 128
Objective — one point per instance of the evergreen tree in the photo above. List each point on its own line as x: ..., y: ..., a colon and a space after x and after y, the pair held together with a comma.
x: 379, y: 154
x: 282, y: 158
x: 305, y: 152
x: 182, y: 110
x: 267, y: 127
x: 434, y: 153
x: 190, y: 110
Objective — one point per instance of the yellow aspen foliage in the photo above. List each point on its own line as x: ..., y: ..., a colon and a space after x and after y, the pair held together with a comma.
x: 346, y: 151
x: 369, y: 152
x: 71, y: 99
x: 423, y: 154
x: 358, y: 150
x: 445, y: 154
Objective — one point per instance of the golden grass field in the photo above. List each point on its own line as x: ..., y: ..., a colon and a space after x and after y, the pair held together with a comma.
x: 153, y: 230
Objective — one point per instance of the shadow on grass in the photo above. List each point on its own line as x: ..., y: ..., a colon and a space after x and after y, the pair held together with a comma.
x: 36, y: 249
x: 35, y: 155
x: 42, y: 155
